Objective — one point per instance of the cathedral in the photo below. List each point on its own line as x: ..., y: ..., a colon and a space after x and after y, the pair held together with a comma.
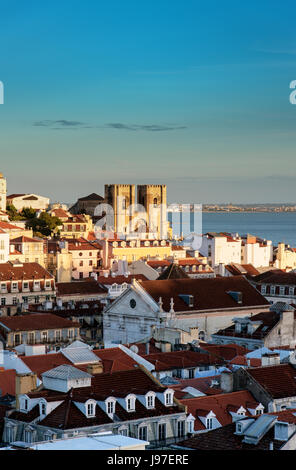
x: 146, y: 216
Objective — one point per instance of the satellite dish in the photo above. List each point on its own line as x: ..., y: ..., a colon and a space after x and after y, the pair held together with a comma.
x: 134, y: 348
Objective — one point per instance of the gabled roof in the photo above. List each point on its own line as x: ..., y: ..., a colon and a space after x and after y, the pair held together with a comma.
x: 276, y: 276
x: 279, y: 381
x: 91, y: 197
x: 36, y: 321
x: 27, y: 271
x: 66, y: 372
x: 7, y: 381
x: 221, y: 405
x: 173, y: 272
x: 225, y: 439
x: 266, y: 322
x: 202, y: 291
x: 181, y: 359
x: 80, y: 288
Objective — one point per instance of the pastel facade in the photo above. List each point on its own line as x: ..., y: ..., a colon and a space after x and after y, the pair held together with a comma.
x: 221, y: 248
x: 285, y: 257
x: 4, y: 246
x: 27, y: 250
x: 20, y: 201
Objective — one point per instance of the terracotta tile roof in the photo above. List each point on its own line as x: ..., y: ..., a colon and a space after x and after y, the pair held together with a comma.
x: 142, y: 347
x: 158, y: 263
x: 120, y: 279
x: 9, y: 226
x: 279, y: 380
x: 7, y: 381
x: 269, y: 320
x: 239, y: 269
x: 219, y: 404
x: 35, y: 321
x: 113, y: 359
x: 225, y: 439
x: 24, y: 239
x: 181, y: 359
x: 243, y: 361
x: 276, y: 276
x: 117, y: 384
x: 26, y: 272
x: 202, y: 292
x: 225, y: 351
x: 80, y: 288
x: 203, y: 384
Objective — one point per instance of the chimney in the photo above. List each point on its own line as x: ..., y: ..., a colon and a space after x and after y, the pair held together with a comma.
x: 271, y: 445
x: 270, y: 359
x: 226, y: 381
x: 24, y: 383
x: 95, y: 368
x: 147, y: 346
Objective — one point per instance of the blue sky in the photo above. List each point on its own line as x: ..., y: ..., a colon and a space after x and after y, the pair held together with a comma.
x: 192, y: 94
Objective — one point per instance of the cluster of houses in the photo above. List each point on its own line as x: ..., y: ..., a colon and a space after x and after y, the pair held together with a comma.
x: 144, y: 342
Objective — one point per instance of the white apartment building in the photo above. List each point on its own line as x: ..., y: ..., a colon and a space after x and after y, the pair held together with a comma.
x: 256, y: 251
x: 221, y: 248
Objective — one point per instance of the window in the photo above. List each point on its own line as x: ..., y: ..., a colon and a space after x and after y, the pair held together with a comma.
x: 31, y: 337
x: 291, y: 290
x: 272, y: 290
x: 209, y: 423
x: 130, y: 404
x: 3, y: 287
x: 14, y: 300
x: 143, y: 433
x: 25, y: 285
x: 263, y: 289
x: 80, y: 263
x: 58, y: 335
x: 28, y: 436
x: 123, y: 432
x: 25, y: 404
x: 168, y: 398
x: 17, y: 339
x: 181, y: 428
x: 191, y: 373
x: 14, y: 286
x: 110, y: 407
x: 259, y: 412
x: 162, y: 432
x: 190, y: 426
x: 90, y: 263
x: 150, y: 401
x: 90, y: 409
x: 282, y: 290
x: 44, y: 335
x: 43, y: 408
x: 90, y: 254
x: 3, y: 301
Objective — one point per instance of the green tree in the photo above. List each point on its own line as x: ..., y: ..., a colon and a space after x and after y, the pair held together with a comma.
x: 13, y: 213
x: 28, y: 213
x: 45, y: 224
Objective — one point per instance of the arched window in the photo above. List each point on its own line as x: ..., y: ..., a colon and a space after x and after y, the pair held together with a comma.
x: 155, y: 202
x: 150, y: 400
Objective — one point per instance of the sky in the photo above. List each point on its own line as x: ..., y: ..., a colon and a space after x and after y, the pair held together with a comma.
x: 191, y: 94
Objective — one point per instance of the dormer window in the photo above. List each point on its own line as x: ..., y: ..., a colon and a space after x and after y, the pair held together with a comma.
x: 42, y: 408
x: 209, y: 423
x: 110, y: 406
x: 130, y: 403
x: 25, y: 404
x: 150, y: 400
x: 90, y: 409
x: 168, y: 398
